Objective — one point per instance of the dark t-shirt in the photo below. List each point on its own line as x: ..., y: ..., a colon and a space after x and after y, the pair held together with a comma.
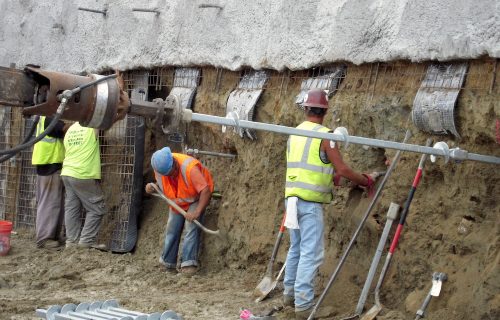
x: 57, y: 132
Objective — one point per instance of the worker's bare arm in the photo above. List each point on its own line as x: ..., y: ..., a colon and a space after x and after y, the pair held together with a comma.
x: 341, y: 167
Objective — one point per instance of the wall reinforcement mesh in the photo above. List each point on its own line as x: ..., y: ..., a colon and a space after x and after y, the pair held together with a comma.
x: 122, y: 157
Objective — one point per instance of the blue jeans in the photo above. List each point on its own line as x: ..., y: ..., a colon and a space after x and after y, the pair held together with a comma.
x: 305, y: 255
x: 173, y: 235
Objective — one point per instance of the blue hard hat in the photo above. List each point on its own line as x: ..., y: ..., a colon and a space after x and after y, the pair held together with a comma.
x: 162, y: 161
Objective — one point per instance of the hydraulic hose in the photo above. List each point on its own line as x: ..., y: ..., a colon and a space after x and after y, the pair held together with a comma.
x: 26, y: 139
x: 28, y: 144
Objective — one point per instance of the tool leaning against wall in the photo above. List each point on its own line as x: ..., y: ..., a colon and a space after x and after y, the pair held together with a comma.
x: 377, y: 307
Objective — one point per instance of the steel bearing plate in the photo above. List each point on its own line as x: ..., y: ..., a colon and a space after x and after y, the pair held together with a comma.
x: 434, y: 105
x: 242, y: 101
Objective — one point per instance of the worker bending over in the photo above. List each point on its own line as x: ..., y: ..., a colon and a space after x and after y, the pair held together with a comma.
x: 186, y: 181
x: 311, y: 165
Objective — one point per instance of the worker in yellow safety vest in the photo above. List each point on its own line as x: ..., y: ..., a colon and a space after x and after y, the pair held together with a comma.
x: 81, y: 174
x: 47, y: 157
x: 311, y: 166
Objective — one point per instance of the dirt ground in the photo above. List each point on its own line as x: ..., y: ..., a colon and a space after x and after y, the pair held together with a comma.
x: 452, y: 227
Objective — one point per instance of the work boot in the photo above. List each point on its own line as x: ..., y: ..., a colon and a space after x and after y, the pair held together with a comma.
x: 303, y: 314
x: 70, y: 244
x: 167, y: 267
x: 92, y: 246
x: 189, y: 270
x: 288, y: 301
x: 48, y: 244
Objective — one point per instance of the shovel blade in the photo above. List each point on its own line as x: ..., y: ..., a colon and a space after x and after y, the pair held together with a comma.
x: 372, y: 313
x: 264, y: 287
x: 268, y: 290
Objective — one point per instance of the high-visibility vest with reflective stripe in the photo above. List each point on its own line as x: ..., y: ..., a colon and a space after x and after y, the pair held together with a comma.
x: 307, y: 177
x: 83, y: 158
x: 48, y: 150
x: 186, y: 193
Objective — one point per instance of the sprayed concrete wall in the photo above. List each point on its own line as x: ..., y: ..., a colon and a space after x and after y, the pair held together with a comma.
x: 292, y: 34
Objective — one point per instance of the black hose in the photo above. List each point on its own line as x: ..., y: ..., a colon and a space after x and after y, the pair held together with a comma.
x: 28, y: 136
x: 28, y: 144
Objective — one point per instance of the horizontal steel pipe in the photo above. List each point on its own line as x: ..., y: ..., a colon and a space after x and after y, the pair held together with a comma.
x: 463, y: 155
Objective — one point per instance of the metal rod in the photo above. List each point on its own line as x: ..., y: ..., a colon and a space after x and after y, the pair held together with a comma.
x: 337, y: 137
x: 146, y: 10
x: 206, y: 5
x: 493, y: 77
x: 103, y: 12
x: 210, y: 153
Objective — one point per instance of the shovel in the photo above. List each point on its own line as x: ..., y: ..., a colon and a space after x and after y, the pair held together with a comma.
x: 273, y: 285
x: 174, y: 205
x: 267, y: 284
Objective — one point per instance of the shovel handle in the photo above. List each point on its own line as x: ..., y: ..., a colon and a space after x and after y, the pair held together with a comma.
x: 174, y: 205
x: 282, y: 226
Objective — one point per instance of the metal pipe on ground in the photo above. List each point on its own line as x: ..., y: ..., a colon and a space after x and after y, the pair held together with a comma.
x: 394, y: 162
x: 374, y: 311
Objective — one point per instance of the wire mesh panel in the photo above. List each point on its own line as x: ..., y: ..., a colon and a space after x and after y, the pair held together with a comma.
x: 329, y: 80
x: 5, y: 127
x: 122, y: 154
x: 434, y: 105
x: 26, y: 197
x: 16, y: 174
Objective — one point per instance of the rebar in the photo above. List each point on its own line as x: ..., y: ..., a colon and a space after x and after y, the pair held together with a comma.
x: 103, y: 12
x: 210, y: 153
x: 156, y: 11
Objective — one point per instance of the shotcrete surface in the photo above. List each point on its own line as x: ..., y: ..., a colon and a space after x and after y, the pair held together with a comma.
x: 260, y: 34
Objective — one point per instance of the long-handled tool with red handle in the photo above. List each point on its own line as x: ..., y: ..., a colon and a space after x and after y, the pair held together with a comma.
x: 373, y: 312
x: 266, y: 285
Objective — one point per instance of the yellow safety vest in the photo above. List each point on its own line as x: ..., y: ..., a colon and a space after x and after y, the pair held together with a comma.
x: 83, y: 159
x: 48, y: 150
x: 307, y: 177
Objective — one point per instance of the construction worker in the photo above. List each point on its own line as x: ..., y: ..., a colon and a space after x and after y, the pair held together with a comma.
x: 311, y: 165
x: 186, y: 181
x: 81, y: 174
x: 47, y: 157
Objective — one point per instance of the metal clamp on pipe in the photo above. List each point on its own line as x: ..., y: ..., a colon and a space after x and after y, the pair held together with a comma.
x: 94, y: 107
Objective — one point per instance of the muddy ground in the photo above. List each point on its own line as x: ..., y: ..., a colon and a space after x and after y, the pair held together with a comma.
x: 453, y: 225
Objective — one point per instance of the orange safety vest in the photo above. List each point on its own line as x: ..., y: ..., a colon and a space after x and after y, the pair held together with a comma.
x: 186, y: 193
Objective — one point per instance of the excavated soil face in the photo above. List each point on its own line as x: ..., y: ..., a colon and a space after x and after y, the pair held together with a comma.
x: 452, y: 225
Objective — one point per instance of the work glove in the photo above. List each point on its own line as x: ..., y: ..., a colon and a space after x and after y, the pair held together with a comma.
x: 150, y: 188
x: 371, y: 177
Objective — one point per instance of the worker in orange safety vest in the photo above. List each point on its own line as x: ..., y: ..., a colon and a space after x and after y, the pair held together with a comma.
x: 189, y: 184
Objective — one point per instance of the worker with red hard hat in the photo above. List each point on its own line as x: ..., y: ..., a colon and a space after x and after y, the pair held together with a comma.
x: 311, y: 166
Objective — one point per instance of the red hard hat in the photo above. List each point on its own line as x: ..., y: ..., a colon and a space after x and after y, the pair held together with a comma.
x: 316, y: 98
